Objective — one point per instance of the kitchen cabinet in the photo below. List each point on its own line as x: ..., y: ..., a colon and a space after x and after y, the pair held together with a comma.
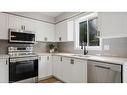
x: 75, y: 70
x: 70, y: 70
x: 125, y: 73
x: 29, y: 24
x: 14, y: 22
x: 45, y: 67
x: 112, y: 24
x: 17, y: 22
x: 3, y: 26
x: 58, y: 67
x: 4, y: 70
x: 64, y: 31
x: 67, y: 70
x: 45, y: 31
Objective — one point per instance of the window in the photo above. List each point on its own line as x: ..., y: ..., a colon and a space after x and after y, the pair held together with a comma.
x: 87, y: 31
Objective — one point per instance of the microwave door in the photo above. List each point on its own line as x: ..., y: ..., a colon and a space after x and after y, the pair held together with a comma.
x: 22, y: 37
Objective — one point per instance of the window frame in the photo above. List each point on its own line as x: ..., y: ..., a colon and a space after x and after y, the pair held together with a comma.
x: 76, y: 33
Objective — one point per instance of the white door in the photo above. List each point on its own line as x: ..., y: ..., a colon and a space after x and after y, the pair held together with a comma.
x: 3, y: 26
x: 30, y: 24
x: 49, y: 63
x: 49, y: 31
x: 57, y: 66
x: 67, y: 70
x: 43, y: 67
x: 61, y: 31
x: 15, y: 22
x: 4, y: 71
x: 79, y: 71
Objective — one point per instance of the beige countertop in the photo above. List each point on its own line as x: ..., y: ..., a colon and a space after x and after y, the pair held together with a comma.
x: 116, y: 60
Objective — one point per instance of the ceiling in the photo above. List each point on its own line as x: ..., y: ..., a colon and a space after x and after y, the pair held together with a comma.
x: 52, y: 14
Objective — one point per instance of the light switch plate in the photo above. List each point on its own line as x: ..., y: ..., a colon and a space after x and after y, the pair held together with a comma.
x: 106, y: 47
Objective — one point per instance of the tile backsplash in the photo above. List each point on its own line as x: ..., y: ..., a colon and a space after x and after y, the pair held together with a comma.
x: 39, y: 47
x: 117, y: 47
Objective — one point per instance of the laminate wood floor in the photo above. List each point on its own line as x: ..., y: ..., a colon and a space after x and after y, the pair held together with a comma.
x: 50, y: 80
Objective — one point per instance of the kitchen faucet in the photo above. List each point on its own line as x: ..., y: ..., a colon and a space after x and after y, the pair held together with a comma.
x: 83, y: 47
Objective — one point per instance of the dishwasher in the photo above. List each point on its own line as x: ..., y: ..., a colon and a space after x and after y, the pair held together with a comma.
x: 101, y: 72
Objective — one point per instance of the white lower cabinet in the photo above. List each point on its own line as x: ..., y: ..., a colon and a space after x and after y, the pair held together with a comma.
x: 4, y: 70
x: 125, y: 73
x: 70, y: 70
x: 74, y: 70
x: 58, y: 67
x: 45, y: 67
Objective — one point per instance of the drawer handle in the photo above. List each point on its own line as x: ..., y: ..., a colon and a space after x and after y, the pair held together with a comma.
x: 61, y: 59
x: 47, y: 57
x: 102, y: 67
x: 60, y: 38
x: 72, y: 61
x: 45, y: 38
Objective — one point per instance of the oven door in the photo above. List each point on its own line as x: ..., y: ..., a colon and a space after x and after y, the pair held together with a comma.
x: 21, y: 70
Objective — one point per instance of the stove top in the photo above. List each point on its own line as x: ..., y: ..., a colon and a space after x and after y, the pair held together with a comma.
x: 21, y: 52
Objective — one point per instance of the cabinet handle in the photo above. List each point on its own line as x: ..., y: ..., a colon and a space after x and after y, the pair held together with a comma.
x: 39, y: 58
x: 47, y: 57
x: 60, y: 38
x: 45, y: 38
x: 102, y: 67
x: 72, y: 61
x: 23, y: 27
x: 6, y: 61
x: 98, y: 33
x: 61, y: 59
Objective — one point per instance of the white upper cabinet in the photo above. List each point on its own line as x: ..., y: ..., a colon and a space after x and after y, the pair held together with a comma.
x: 45, y: 31
x: 112, y: 24
x: 3, y: 26
x: 14, y: 22
x: 64, y: 31
x: 30, y: 24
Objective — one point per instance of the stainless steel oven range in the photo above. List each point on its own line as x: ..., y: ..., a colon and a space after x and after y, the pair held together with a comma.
x: 23, y: 64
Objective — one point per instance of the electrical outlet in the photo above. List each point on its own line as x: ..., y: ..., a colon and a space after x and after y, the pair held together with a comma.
x: 106, y: 47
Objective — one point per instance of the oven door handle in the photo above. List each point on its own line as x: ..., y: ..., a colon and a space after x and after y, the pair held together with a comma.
x: 23, y: 59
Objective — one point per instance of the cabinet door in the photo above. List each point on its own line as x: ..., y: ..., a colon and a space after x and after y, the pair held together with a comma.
x: 79, y: 71
x: 58, y: 67
x: 15, y: 22
x: 45, y: 66
x: 42, y: 67
x: 61, y: 31
x: 49, y: 63
x: 64, y: 31
x: 49, y: 32
x: 4, y: 71
x: 3, y: 26
x: 113, y: 24
x: 67, y: 70
x: 30, y: 24
x: 45, y: 31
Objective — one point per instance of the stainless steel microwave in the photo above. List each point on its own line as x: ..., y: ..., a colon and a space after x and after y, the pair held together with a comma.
x: 18, y: 36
